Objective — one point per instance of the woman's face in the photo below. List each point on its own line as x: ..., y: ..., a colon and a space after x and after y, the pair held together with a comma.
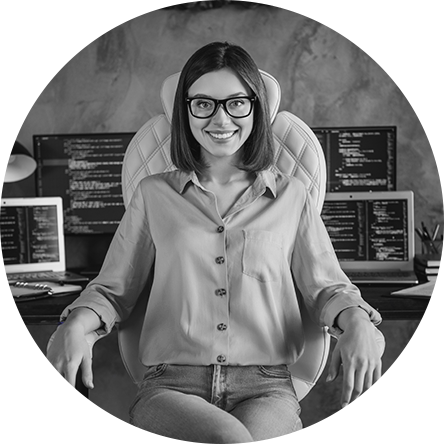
x: 220, y: 135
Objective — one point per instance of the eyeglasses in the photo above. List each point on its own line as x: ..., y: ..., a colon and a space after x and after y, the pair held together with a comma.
x: 237, y: 107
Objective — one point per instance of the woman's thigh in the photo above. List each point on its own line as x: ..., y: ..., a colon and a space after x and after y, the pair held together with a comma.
x: 264, y: 400
x: 186, y: 417
x: 268, y: 417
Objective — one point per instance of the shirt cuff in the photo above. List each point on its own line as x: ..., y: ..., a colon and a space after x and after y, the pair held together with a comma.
x: 341, y: 302
x: 106, y: 318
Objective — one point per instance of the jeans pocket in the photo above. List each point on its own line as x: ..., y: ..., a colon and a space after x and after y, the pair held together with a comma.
x: 275, y: 371
x: 262, y: 255
x: 283, y: 374
x: 154, y: 371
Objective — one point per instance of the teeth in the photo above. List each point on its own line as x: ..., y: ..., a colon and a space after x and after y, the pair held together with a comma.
x: 222, y: 135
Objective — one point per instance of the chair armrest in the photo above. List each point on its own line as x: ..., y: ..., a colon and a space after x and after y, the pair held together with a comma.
x: 380, y: 340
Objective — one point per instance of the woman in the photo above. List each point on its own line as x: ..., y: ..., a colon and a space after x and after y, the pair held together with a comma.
x: 228, y: 239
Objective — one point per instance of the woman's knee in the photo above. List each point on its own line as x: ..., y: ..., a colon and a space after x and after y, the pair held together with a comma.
x: 234, y: 433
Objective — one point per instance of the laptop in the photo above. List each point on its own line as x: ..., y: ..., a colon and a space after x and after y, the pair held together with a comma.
x: 373, y: 235
x: 32, y: 239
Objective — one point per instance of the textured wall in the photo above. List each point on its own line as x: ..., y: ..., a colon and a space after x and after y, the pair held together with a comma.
x: 113, y: 84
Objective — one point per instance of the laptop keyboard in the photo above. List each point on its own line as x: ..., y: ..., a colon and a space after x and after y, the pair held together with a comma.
x: 379, y: 275
x: 54, y: 276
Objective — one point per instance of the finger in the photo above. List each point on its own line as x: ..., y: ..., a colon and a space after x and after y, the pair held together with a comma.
x: 87, y: 374
x: 70, y: 374
x: 359, y: 383
x: 368, y: 380
x: 334, y: 367
x: 347, y: 386
x: 378, y: 372
x: 372, y: 376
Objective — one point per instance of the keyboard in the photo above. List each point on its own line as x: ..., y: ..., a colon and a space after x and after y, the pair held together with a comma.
x: 51, y: 276
x: 381, y: 276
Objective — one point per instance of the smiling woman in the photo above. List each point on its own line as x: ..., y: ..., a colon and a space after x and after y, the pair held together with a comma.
x: 221, y: 71
x: 232, y: 245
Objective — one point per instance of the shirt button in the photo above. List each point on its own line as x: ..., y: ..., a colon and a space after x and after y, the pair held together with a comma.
x: 220, y: 229
x: 222, y: 327
x: 221, y: 358
x: 220, y: 260
x: 221, y: 292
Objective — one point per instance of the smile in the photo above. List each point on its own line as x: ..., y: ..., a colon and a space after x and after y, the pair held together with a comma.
x: 222, y: 136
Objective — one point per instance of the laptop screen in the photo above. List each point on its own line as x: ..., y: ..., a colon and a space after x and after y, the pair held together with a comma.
x: 30, y: 234
x: 370, y: 228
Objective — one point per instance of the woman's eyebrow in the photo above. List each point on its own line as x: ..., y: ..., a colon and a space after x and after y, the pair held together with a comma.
x: 238, y: 94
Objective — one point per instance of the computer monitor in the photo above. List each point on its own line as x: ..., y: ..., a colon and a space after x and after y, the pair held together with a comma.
x: 31, y: 232
x: 370, y: 228
x: 85, y: 170
x: 359, y: 158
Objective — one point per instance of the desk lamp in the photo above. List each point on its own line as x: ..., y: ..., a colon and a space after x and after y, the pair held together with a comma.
x: 20, y: 165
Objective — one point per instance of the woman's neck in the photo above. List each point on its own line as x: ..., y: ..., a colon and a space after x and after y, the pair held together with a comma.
x: 222, y: 171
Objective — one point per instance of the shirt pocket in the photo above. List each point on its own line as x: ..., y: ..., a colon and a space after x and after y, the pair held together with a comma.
x: 262, y: 256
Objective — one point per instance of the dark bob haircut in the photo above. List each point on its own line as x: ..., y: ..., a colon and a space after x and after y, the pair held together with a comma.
x: 258, y: 149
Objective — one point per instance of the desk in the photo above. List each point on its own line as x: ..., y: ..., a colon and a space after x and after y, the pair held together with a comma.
x: 393, y: 308
x: 44, y: 311
x: 48, y: 310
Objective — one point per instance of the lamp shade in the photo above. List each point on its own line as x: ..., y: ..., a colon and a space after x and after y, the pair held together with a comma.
x: 20, y: 165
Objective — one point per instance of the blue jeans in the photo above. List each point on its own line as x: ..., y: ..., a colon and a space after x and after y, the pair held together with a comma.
x: 217, y: 404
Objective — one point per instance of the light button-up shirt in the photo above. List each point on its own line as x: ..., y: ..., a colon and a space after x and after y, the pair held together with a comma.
x: 223, y: 289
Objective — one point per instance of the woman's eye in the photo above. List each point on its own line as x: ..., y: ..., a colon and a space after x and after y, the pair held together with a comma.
x: 236, y: 103
x: 204, y: 104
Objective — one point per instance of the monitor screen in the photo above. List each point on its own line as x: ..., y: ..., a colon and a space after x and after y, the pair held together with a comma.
x: 368, y: 229
x: 85, y: 170
x: 359, y: 158
x: 29, y: 234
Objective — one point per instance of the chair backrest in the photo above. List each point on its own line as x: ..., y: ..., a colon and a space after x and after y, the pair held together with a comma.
x: 297, y: 152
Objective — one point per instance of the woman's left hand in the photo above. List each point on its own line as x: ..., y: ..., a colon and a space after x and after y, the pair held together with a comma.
x: 358, y: 352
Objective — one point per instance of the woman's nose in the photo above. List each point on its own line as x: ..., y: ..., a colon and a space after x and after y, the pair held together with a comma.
x: 221, y: 117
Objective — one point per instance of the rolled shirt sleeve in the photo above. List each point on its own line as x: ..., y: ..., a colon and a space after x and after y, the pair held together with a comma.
x: 124, y: 274
x: 325, y: 288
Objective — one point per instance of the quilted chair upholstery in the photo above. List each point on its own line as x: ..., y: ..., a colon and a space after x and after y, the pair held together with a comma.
x: 297, y: 152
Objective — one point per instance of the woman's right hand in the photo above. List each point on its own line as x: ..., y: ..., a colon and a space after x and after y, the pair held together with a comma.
x: 70, y: 351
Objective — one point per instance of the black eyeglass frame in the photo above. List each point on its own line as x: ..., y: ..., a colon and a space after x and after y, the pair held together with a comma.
x: 222, y: 102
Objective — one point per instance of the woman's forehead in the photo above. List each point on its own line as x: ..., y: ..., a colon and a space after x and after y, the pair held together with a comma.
x: 219, y: 84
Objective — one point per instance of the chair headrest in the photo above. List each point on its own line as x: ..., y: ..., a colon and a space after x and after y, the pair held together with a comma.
x: 169, y: 86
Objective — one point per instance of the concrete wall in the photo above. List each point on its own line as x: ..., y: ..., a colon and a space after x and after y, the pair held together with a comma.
x: 113, y: 84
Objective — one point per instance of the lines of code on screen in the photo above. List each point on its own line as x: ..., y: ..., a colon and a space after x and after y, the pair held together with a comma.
x: 85, y: 170
x: 359, y: 158
x: 29, y: 235
x: 375, y: 230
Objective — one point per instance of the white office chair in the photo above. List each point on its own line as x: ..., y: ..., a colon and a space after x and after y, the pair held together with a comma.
x: 297, y: 152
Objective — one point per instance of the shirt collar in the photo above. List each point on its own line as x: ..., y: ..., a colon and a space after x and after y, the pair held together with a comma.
x: 267, y: 179
x: 185, y: 178
x: 264, y: 180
